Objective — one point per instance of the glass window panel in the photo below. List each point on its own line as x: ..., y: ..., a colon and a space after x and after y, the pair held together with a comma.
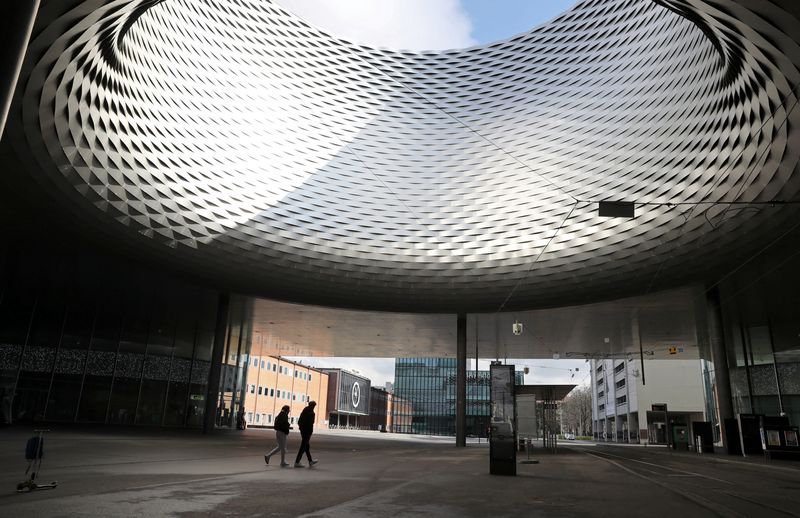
x: 78, y: 325
x: 31, y: 397
x: 94, y: 399
x: 63, y: 398
x: 38, y: 359
x: 125, y: 393
x: 128, y: 368
x: 71, y: 360
x: 151, y: 402
x: 760, y: 345
x: 48, y: 319
x: 16, y: 309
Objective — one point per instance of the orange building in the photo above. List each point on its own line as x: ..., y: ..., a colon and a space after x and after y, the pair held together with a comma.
x: 273, y: 382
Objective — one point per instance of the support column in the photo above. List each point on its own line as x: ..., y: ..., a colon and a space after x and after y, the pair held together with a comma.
x: 15, y: 31
x: 220, y: 333
x: 719, y: 356
x: 461, y: 380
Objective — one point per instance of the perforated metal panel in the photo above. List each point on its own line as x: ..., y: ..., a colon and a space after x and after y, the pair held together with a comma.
x: 260, y: 151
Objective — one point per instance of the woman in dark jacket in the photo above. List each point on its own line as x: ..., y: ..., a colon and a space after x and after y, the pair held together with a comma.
x: 281, y: 433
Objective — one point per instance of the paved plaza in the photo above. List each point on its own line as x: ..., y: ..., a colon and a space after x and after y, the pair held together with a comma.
x: 114, y: 472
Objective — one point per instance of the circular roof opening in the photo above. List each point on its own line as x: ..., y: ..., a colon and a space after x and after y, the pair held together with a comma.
x: 420, y: 25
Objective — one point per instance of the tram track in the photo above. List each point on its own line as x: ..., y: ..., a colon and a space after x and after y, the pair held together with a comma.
x: 731, y: 494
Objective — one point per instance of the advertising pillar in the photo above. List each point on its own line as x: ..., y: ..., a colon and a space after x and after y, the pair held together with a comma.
x: 503, y: 428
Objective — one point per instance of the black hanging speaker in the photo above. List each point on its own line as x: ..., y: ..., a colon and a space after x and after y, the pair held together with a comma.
x: 616, y: 209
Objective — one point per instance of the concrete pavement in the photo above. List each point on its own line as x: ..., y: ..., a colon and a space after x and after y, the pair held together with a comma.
x: 138, y: 472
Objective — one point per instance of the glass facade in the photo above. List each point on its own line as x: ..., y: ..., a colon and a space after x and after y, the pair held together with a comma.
x: 761, y: 311
x: 235, y: 360
x: 430, y: 386
x: 93, y: 339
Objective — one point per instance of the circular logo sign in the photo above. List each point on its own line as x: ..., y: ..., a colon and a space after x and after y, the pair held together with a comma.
x: 356, y: 394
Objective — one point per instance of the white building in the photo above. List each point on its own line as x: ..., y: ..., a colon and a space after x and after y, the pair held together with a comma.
x: 623, y: 399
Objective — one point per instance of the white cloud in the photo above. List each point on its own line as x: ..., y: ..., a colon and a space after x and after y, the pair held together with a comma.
x: 554, y: 372
x: 381, y: 370
x: 394, y: 24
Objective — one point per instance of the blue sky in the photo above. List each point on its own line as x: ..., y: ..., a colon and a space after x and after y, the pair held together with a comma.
x: 426, y: 24
x: 494, y: 20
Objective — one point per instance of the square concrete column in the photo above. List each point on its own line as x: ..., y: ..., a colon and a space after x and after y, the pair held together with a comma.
x: 461, y: 380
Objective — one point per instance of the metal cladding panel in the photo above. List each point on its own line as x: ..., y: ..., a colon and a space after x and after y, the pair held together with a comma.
x: 243, y: 143
x: 354, y: 392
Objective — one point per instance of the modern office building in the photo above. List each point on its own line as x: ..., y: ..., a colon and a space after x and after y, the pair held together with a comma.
x: 175, y: 195
x: 429, y: 384
x: 348, y: 399
x: 274, y: 382
x: 624, y: 393
x: 387, y: 411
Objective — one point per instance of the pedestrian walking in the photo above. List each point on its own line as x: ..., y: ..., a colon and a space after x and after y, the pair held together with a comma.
x: 281, y: 434
x: 306, y: 425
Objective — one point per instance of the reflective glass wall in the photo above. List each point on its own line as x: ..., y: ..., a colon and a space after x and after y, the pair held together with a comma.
x: 423, y: 381
x: 761, y: 318
x: 86, y: 337
x: 430, y: 386
x: 235, y: 359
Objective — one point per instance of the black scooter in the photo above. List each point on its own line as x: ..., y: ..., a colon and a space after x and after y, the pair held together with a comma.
x: 34, y: 451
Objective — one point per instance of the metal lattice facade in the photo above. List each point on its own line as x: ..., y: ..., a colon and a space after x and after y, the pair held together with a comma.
x: 239, y: 141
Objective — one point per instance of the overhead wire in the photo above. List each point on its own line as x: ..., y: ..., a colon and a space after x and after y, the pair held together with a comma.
x: 721, y: 175
x: 577, y: 201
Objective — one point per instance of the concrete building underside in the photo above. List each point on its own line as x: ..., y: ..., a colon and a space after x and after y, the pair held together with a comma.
x: 185, y: 183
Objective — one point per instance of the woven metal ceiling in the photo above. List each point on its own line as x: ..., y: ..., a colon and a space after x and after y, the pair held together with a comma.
x: 246, y: 145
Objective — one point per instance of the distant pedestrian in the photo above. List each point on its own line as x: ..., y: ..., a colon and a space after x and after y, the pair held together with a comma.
x: 281, y: 434
x: 306, y: 425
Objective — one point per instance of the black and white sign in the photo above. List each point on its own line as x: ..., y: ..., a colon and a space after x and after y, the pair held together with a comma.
x: 355, y: 393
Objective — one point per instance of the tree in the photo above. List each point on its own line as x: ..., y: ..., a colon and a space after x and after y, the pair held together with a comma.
x: 576, y: 412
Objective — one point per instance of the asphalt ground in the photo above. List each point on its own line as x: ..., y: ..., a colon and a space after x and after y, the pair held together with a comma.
x: 139, y: 472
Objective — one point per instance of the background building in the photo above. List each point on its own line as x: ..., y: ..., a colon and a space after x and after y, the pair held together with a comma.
x: 429, y: 384
x: 348, y: 399
x: 273, y: 382
x: 400, y: 413
x: 379, y: 410
x: 622, y: 402
x: 388, y: 412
